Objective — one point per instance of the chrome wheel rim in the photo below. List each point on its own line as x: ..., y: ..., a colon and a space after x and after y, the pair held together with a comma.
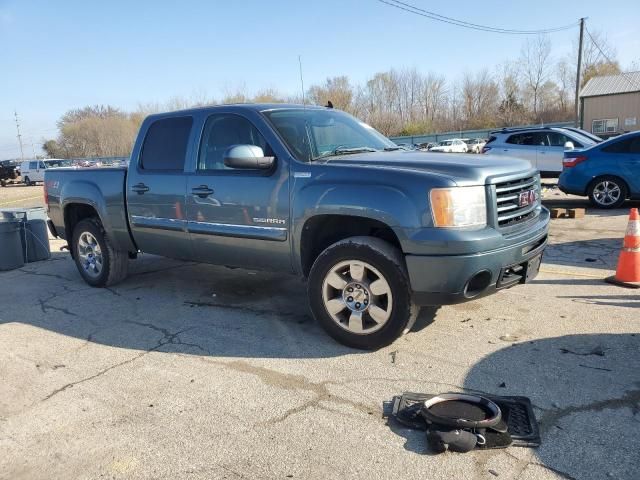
x: 90, y: 254
x: 606, y: 192
x: 357, y: 297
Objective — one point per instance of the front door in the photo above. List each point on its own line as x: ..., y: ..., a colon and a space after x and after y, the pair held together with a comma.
x: 156, y: 187
x: 238, y: 217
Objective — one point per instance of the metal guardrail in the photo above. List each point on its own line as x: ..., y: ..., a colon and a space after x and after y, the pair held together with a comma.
x: 482, y: 133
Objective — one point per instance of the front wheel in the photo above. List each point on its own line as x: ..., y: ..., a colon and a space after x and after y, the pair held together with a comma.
x: 99, y: 263
x: 359, y: 292
x: 607, y: 192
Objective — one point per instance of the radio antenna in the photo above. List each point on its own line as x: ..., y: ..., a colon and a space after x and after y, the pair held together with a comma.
x: 301, y: 79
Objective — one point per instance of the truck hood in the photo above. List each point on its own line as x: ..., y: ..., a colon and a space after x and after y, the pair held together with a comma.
x: 464, y: 169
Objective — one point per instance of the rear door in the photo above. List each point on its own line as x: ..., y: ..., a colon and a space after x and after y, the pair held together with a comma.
x: 551, y: 150
x: 520, y: 145
x: 156, y: 186
x: 625, y: 161
x: 238, y: 217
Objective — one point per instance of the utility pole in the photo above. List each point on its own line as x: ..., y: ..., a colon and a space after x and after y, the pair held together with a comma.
x: 577, y: 100
x: 19, y: 136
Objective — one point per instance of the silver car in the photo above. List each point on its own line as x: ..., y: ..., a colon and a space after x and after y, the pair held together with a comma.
x: 543, y: 147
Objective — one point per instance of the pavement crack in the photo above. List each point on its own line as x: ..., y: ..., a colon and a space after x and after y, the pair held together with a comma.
x: 91, y: 377
x: 287, y: 381
x: 169, y: 338
x: 596, y: 351
x: 45, y: 307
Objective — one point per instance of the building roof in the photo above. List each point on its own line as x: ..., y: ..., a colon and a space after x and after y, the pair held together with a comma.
x: 611, y: 84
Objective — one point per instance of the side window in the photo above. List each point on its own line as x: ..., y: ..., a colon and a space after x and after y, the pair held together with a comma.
x: 634, y: 147
x: 222, y: 131
x: 515, y: 139
x: 33, y: 165
x: 165, y: 146
x: 41, y: 165
x: 623, y: 146
x: 540, y: 139
x: 558, y: 140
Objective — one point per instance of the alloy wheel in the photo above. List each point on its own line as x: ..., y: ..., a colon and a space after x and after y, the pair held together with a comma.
x: 357, y: 297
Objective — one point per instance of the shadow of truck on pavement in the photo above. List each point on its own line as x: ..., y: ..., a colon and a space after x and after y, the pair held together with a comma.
x: 586, y: 389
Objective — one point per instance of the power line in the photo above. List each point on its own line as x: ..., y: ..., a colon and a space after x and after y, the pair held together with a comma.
x: 624, y: 74
x: 474, y: 26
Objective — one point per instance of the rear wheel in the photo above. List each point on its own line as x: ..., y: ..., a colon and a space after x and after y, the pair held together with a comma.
x: 27, y: 181
x: 359, y: 292
x: 97, y: 261
x: 607, y: 192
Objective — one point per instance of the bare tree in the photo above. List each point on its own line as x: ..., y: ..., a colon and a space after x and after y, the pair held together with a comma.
x: 535, y: 64
x: 337, y: 90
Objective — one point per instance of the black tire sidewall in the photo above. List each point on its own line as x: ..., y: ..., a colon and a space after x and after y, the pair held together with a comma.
x: 94, y: 229
x: 619, y: 183
x: 395, y: 276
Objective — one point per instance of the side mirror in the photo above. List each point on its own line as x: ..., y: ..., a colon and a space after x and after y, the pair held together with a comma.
x: 568, y: 146
x: 248, y: 157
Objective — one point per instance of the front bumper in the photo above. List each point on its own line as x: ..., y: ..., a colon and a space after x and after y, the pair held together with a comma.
x: 449, y: 279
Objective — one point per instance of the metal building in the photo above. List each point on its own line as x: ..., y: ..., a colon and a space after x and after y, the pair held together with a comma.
x: 610, y: 104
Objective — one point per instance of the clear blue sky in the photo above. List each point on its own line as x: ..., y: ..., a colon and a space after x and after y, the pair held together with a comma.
x: 58, y: 55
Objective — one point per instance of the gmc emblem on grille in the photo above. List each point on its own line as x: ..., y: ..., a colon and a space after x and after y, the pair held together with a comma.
x: 527, y: 198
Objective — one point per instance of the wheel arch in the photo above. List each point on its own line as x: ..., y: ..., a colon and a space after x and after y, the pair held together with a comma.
x: 323, y: 230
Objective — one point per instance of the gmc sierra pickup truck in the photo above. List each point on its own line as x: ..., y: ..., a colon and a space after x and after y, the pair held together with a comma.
x: 377, y: 230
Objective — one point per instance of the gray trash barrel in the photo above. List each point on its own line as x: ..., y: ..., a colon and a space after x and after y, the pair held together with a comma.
x: 11, y: 256
x: 34, y: 234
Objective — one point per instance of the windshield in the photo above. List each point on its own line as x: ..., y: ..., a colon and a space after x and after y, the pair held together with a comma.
x: 312, y: 134
x: 446, y: 144
x: 58, y: 163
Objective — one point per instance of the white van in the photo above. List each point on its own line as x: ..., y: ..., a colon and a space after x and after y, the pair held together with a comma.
x: 32, y: 171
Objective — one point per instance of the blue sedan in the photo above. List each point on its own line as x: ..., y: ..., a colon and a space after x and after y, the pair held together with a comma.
x: 608, y: 173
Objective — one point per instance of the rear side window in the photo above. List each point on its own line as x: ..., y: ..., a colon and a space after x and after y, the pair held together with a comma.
x: 630, y: 145
x: 165, y: 146
x: 557, y: 139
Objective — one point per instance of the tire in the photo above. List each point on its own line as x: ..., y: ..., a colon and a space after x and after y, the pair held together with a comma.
x: 395, y: 313
x: 3, y: 183
x: 27, y: 182
x: 113, y: 263
x: 607, y: 192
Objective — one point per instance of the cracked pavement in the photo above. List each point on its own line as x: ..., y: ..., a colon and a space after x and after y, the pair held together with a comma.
x: 196, y: 371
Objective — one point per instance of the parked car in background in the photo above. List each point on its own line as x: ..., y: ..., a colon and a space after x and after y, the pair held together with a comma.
x: 543, y: 147
x: 475, y: 145
x: 8, y: 172
x: 608, y: 172
x: 453, y: 145
x: 32, y: 171
x: 426, y: 146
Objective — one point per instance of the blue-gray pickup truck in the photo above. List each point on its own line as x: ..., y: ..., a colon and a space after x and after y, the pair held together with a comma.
x: 377, y: 230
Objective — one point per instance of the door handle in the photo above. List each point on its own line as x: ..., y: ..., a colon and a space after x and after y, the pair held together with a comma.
x: 203, y: 191
x: 140, y: 188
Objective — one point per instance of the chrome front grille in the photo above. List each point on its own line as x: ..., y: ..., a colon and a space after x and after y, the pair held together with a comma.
x: 510, y: 207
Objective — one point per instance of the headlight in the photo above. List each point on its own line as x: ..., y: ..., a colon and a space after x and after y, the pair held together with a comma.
x: 459, y: 206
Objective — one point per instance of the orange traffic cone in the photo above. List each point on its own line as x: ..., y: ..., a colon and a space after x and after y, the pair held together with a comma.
x: 628, y: 271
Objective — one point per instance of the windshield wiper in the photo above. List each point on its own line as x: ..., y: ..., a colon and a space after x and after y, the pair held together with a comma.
x: 345, y: 151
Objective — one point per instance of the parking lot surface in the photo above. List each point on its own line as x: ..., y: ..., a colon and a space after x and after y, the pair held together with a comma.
x: 198, y: 371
